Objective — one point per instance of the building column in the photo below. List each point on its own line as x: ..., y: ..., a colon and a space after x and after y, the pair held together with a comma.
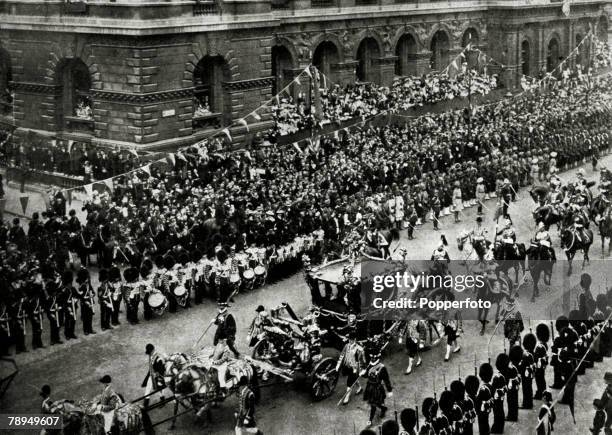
x: 386, y: 70
x: 423, y: 62
x: 345, y: 72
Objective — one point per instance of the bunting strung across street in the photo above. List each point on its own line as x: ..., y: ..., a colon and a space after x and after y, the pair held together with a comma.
x: 24, y: 203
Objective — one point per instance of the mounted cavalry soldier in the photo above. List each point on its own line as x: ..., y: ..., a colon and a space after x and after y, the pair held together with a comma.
x: 351, y: 361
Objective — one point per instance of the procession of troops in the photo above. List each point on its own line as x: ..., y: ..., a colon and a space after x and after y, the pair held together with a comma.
x: 167, y: 261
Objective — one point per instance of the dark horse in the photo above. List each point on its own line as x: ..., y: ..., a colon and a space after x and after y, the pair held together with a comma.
x: 510, y: 256
x: 540, y: 259
x: 548, y: 215
x: 571, y: 244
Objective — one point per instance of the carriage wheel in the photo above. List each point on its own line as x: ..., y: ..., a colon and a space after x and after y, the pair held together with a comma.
x: 323, y: 379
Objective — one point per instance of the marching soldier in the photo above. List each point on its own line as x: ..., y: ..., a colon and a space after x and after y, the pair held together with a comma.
x: 86, y: 294
x: 378, y: 381
x: 457, y: 201
x: 412, y: 218
x: 69, y: 305
x: 226, y: 327
x: 351, y: 361
x: 481, y: 191
x: 19, y: 321
x: 436, y: 206
x: 35, y: 313
x: 105, y: 300
x: 413, y: 341
x: 452, y: 328
x: 245, y: 414
x: 153, y: 381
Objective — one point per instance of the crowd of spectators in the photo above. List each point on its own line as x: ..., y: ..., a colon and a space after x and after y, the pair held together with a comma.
x: 366, y: 99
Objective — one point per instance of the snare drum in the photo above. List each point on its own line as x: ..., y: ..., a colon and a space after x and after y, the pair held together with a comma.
x: 260, y: 271
x: 248, y: 274
x: 180, y: 294
x: 158, y: 303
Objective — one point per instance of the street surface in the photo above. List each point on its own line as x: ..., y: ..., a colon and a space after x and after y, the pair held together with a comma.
x: 73, y: 369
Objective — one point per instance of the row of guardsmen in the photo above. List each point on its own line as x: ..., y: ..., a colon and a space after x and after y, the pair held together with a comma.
x: 163, y: 286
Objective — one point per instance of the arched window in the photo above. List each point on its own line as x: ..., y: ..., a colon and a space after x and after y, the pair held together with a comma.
x: 552, y: 57
x: 6, y: 99
x: 210, y: 98
x: 281, y: 61
x: 525, y: 58
x: 406, y: 50
x: 324, y: 56
x: 367, y: 52
x: 439, y: 51
x: 76, y: 110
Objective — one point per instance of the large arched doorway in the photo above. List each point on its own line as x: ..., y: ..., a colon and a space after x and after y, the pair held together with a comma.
x: 525, y: 58
x: 324, y: 56
x: 6, y: 100
x: 76, y: 110
x: 552, y: 56
x: 281, y: 61
x: 439, y: 50
x: 367, y: 53
x: 210, y: 98
x: 406, y: 50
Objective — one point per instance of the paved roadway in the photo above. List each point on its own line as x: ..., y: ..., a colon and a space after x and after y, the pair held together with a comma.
x: 74, y: 368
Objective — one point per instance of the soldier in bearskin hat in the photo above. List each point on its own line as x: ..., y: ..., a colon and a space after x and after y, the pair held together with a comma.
x: 86, y: 294
x: 603, y: 406
x: 378, y: 382
x: 499, y: 387
x: 35, y: 306
x: 540, y: 356
x: 19, y: 314
x: 465, y: 425
x: 484, y: 398
x: 558, y: 344
x: 429, y: 407
x: 105, y: 300
x: 131, y: 294
x: 53, y: 307
x: 408, y: 420
x: 69, y: 304
x: 452, y: 415
x: 114, y: 279
x: 526, y: 370
x: 512, y: 374
x: 145, y: 271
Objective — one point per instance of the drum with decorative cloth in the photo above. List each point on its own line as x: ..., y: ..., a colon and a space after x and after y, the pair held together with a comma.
x: 180, y: 294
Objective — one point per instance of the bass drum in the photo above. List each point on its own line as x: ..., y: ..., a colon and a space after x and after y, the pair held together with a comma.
x: 158, y: 303
x: 249, y: 278
x: 260, y: 275
x: 180, y: 294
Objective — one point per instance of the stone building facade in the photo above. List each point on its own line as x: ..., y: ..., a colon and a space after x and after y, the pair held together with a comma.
x: 141, y: 69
